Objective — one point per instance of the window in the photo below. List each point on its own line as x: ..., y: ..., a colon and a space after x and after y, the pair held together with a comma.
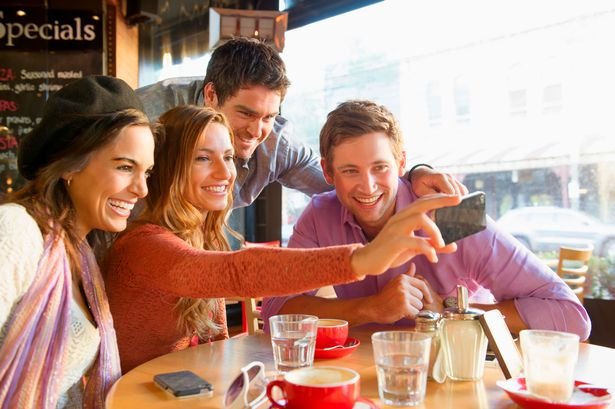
x: 514, y: 99
x: 518, y: 81
x: 518, y: 102
x: 462, y: 100
x: 434, y: 104
x: 504, y: 128
x: 552, y: 98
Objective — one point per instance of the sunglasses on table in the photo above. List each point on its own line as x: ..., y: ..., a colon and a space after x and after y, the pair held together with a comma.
x: 249, y: 389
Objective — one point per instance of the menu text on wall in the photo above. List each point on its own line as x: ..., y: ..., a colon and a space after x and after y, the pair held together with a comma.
x: 41, y: 51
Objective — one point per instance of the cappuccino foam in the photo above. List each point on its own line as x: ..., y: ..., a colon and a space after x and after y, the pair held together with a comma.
x: 320, y: 376
x: 328, y: 322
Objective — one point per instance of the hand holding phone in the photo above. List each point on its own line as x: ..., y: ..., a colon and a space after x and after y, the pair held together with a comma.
x: 462, y: 220
x: 183, y: 384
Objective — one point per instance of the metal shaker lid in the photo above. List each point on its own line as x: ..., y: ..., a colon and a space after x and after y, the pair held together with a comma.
x: 462, y: 311
x: 427, y: 320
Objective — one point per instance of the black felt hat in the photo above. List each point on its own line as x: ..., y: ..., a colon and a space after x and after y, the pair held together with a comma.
x: 67, y: 114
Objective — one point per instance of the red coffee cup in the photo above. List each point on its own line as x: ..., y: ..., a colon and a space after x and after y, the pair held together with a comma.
x: 323, y: 387
x: 331, y: 332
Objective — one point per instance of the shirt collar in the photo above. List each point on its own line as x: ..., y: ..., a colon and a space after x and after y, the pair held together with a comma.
x: 242, y: 162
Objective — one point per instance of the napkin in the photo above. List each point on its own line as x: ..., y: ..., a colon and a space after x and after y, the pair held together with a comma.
x: 438, y: 372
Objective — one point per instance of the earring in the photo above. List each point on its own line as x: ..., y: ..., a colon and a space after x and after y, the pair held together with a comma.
x: 68, y: 182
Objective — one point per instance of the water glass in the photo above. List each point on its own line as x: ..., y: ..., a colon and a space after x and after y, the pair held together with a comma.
x: 549, y: 358
x: 293, y: 338
x: 402, y: 359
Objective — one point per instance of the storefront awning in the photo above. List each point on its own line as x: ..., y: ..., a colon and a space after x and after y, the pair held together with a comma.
x: 543, y: 154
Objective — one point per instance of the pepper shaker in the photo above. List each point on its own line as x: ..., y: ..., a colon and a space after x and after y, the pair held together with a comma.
x: 427, y: 322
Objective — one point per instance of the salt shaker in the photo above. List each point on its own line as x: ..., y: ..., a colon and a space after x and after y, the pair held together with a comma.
x: 463, y: 340
x: 427, y: 322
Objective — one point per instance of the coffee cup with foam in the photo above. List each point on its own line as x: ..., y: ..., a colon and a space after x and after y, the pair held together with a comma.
x: 324, y: 387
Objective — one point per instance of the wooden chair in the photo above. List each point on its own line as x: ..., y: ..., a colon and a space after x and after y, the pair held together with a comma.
x: 251, y: 321
x: 250, y: 307
x: 252, y: 318
x: 572, y: 267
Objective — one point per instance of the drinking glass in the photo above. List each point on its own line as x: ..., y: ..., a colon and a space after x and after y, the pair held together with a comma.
x: 293, y: 338
x: 549, y: 358
x: 402, y: 358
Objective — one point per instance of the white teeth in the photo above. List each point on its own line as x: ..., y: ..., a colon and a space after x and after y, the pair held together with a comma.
x: 217, y: 189
x: 367, y: 200
x: 122, y: 204
x: 247, y: 140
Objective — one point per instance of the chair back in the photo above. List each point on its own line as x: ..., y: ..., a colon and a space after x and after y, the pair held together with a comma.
x: 572, y: 267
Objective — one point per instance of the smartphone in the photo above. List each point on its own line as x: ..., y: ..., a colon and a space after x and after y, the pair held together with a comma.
x: 462, y: 220
x: 183, y: 384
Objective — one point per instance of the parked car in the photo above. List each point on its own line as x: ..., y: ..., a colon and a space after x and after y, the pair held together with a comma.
x: 547, y: 228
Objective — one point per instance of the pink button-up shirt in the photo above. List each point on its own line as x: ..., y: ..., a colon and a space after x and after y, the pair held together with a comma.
x: 491, y: 264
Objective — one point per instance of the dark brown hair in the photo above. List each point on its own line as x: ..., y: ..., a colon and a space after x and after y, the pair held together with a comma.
x: 242, y: 62
x: 46, y: 197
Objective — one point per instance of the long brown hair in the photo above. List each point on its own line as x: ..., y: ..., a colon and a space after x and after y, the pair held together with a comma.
x: 168, y: 206
x: 46, y: 197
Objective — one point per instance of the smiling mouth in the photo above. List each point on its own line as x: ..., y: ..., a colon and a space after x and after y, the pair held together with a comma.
x: 249, y: 140
x: 121, y: 207
x: 216, y: 189
x: 368, y: 200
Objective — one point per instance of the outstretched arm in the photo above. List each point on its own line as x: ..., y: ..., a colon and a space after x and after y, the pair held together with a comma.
x: 176, y: 268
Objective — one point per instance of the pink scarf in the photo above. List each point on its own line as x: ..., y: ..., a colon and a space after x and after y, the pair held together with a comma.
x: 33, y: 354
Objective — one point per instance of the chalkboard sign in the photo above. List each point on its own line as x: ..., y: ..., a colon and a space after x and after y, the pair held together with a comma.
x: 40, y: 52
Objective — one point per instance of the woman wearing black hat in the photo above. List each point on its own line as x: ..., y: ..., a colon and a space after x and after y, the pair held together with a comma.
x: 166, y: 276
x: 87, y: 162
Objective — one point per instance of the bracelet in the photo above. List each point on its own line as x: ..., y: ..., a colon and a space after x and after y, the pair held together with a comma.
x: 414, y: 168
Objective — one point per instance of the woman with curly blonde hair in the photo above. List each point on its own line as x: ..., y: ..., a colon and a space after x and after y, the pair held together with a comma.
x: 168, y: 274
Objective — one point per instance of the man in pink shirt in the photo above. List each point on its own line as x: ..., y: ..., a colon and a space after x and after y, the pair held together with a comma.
x: 362, y: 156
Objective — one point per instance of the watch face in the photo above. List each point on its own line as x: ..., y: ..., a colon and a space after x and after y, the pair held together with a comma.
x: 450, y: 302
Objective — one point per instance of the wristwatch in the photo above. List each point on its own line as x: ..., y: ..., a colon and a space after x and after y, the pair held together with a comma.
x: 450, y: 302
